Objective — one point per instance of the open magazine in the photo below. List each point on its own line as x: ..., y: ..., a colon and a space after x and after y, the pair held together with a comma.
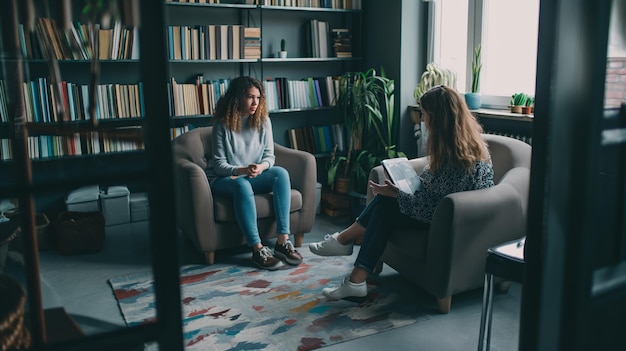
x: 402, y: 174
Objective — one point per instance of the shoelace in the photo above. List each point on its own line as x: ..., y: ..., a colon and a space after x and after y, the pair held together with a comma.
x: 265, y: 253
x: 327, y: 239
x: 289, y: 246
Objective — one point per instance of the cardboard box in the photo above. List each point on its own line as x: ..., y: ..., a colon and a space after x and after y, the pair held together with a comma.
x: 115, y: 204
x: 84, y: 199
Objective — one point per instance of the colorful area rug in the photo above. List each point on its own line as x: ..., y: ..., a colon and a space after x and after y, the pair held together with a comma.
x: 234, y: 306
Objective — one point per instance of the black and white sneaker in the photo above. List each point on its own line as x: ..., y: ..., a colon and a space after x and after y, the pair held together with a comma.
x: 264, y: 259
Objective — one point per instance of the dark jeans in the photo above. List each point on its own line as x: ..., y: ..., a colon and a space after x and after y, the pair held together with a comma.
x: 380, y: 218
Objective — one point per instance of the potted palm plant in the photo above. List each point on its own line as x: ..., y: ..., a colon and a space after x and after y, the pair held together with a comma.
x: 473, y: 98
x: 366, y: 105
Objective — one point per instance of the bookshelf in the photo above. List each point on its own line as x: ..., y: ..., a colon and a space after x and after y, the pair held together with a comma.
x: 302, y: 72
x: 120, y: 95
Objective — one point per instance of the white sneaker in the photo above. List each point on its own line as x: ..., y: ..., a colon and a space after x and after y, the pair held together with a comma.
x: 330, y: 246
x: 347, y: 289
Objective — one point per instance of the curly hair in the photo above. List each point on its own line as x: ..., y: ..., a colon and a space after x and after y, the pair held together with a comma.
x: 454, y: 133
x: 228, y: 106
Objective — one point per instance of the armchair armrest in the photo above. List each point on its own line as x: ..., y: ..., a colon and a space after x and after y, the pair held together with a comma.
x: 302, y: 169
x: 378, y: 175
x: 195, y: 204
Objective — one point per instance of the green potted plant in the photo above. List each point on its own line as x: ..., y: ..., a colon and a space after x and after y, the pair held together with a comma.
x: 366, y: 105
x: 528, y: 107
x: 432, y: 76
x: 283, y: 51
x: 473, y: 97
x: 517, y: 101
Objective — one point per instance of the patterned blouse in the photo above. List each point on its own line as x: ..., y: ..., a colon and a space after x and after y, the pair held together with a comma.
x: 449, y: 179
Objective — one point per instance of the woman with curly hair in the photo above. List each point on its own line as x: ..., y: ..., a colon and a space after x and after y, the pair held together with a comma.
x: 243, y: 165
x: 458, y: 161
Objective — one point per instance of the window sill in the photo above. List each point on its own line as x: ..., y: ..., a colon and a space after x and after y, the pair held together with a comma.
x: 503, y: 114
x: 494, y: 113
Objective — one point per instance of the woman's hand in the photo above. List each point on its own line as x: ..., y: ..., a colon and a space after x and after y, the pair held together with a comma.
x: 387, y: 189
x: 254, y: 169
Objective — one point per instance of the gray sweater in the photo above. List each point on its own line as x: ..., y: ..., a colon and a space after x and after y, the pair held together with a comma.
x: 239, y: 149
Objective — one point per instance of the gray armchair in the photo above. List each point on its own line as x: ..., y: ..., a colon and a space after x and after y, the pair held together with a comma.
x: 210, y: 222
x: 449, y: 257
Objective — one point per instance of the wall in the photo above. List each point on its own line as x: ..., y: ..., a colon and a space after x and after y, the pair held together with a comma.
x: 400, y: 47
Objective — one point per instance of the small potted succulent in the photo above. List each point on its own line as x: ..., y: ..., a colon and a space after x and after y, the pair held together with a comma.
x: 517, y: 101
x: 528, y: 107
x: 283, y: 52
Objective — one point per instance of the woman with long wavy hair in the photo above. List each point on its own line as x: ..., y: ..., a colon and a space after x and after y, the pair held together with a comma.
x: 458, y: 161
x: 243, y: 165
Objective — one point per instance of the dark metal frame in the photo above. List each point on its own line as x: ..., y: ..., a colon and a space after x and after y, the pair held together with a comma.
x: 167, y: 330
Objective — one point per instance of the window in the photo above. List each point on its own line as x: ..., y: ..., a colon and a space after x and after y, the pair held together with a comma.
x: 507, y: 31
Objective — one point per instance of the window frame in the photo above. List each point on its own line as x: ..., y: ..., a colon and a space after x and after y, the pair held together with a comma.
x: 476, y: 12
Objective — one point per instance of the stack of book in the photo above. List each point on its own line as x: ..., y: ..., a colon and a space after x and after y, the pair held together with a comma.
x: 252, y: 43
x: 342, y: 42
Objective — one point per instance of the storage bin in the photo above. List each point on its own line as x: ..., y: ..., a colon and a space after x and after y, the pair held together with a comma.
x: 139, y: 207
x: 79, y: 232
x: 84, y: 199
x: 115, y: 204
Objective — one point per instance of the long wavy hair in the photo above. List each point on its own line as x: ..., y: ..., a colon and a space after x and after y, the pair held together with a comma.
x: 454, y: 133
x: 228, y: 108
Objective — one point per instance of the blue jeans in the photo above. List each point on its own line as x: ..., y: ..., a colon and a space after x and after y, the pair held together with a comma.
x: 380, y: 218
x: 242, y: 189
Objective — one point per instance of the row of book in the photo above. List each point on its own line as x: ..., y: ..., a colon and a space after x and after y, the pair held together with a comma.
x: 45, y: 146
x: 199, y: 1
x: 198, y: 98
x: 327, y: 4
x: 283, y: 93
x: 318, y: 139
x: 214, y: 42
x: 43, y: 100
x: 324, y: 42
x: 317, y: 38
x: 48, y: 40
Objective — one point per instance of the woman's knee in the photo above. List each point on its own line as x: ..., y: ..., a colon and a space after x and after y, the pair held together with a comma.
x: 241, y: 186
x: 279, y: 172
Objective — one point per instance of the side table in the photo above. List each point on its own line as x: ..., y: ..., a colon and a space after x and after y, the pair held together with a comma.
x: 505, y: 261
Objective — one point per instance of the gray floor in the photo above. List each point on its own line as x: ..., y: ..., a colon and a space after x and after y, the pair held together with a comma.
x: 79, y: 284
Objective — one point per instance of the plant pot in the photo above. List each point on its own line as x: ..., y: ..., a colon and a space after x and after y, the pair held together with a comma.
x: 282, y: 54
x: 516, y: 109
x: 473, y: 100
x: 527, y: 110
x: 342, y: 185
